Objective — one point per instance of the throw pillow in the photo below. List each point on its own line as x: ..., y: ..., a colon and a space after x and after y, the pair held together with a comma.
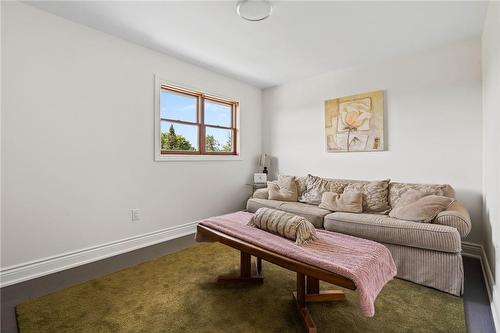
x: 261, y: 193
x: 375, y: 195
x: 350, y: 202
x: 316, y: 186
x: 301, y: 184
x: 397, y: 190
x: 285, y: 189
x: 284, y: 224
x: 410, y: 196
x: 419, y: 207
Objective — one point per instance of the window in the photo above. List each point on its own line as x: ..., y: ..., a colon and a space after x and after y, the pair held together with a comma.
x: 193, y: 123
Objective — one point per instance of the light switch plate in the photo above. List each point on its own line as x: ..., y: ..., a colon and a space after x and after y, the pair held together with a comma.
x: 135, y: 214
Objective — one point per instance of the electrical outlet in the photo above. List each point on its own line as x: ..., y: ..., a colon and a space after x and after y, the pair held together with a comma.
x: 135, y: 214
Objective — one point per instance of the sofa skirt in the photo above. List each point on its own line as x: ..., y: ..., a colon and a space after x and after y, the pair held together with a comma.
x: 440, y: 270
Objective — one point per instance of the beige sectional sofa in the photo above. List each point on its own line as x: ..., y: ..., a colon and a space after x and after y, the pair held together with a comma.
x: 424, y: 253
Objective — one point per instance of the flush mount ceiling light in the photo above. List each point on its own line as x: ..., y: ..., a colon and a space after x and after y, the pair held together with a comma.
x: 254, y: 10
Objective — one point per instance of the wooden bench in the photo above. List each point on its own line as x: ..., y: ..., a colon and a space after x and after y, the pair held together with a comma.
x: 308, y: 276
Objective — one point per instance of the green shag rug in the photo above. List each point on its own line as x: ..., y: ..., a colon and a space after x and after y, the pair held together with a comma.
x: 177, y: 293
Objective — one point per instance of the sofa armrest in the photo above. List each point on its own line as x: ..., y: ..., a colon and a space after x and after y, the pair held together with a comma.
x: 455, y: 216
x: 261, y: 193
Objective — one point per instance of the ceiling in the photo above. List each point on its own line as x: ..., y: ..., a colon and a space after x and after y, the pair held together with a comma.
x: 300, y: 39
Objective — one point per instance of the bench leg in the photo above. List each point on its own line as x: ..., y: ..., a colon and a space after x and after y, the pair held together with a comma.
x: 311, y: 293
x: 312, y: 285
x: 315, y: 295
x: 300, y: 302
x: 246, y: 276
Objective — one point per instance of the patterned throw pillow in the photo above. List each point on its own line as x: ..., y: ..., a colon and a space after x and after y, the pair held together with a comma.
x: 284, y: 224
x: 316, y: 186
x: 375, y: 195
x: 285, y: 189
x: 410, y: 196
x: 397, y: 190
x: 416, y: 206
x: 301, y: 184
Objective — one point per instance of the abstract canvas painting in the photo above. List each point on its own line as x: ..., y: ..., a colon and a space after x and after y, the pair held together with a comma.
x: 355, y: 123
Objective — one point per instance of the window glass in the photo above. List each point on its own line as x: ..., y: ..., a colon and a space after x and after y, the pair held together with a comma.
x: 218, y: 140
x: 176, y: 136
x: 176, y: 106
x: 218, y: 114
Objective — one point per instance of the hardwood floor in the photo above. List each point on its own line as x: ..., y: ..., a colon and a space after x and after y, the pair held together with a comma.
x: 477, y: 305
x: 477, y: 308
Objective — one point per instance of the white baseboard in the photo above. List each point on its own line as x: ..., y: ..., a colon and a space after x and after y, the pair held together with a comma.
x: 477, y: 251
x: 37, y: 268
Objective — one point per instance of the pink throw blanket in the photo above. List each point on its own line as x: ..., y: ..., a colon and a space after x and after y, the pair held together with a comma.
x: 368, y: 264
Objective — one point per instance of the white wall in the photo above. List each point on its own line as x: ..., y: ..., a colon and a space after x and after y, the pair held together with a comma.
x: 77, y: 140
x: 491, y: 148
x: 433, y: 120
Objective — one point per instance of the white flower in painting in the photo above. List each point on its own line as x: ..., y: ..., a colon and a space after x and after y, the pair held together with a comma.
x: 355, y: 115
x: 356, y: 119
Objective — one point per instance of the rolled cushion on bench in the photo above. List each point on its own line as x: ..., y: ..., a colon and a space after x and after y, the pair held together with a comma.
x: 284, y: 224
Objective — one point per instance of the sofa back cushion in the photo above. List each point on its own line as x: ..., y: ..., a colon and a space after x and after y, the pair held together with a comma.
x: 375, y: 195
x: 284, y: 224
x: 315, y: 187
x: 397, y: 190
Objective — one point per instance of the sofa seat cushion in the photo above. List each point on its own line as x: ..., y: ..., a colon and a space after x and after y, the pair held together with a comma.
x: 255, y: 203
x: 385, y: 229
x: 312, y: 213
